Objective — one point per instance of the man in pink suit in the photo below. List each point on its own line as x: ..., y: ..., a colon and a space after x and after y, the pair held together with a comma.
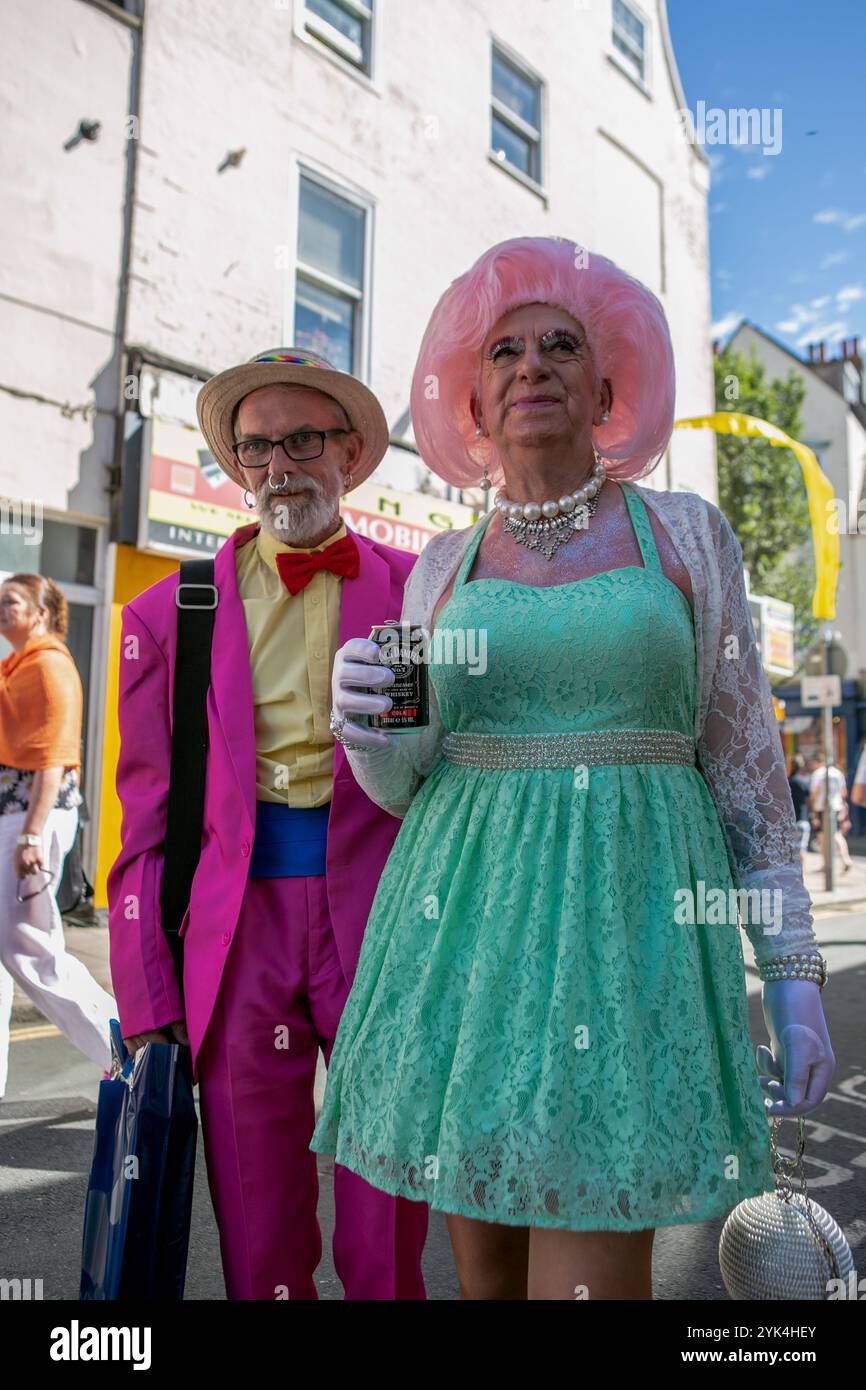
x: 292, y: 849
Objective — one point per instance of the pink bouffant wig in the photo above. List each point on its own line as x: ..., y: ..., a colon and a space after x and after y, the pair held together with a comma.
x: 627, y: 332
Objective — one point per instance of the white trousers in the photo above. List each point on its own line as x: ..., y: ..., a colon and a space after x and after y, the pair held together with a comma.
x: 33, y: 952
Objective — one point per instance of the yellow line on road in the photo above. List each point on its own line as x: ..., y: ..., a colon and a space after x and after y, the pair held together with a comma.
x: 36, y: 1030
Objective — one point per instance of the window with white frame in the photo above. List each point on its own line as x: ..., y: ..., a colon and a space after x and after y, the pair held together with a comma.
x: 629, y: 38
x: 329, y: 288
x: 346, y: 26
x: 515, y: 116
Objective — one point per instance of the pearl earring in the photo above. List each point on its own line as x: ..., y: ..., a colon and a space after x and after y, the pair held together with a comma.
x: 605, y: 416
x: 485, y: 484
x: 478, y: 430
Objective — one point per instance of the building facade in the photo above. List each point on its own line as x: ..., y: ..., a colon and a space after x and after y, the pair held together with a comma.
x: 834, y: 427
x: 200, y: 183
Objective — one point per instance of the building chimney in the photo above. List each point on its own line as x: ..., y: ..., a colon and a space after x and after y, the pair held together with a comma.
x: 811, y: 352
x: 822, y: 351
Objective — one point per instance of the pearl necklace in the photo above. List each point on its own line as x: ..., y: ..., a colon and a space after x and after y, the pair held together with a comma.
x: 545, y: 526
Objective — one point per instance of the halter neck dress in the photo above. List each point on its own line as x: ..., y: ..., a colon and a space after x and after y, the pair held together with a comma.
x: 534, y: 1036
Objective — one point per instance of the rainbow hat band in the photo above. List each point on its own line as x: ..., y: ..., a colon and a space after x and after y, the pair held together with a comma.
x: 290, y: 366
x: 292, y: 357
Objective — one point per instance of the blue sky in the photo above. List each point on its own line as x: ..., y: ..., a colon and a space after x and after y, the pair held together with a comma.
x: 787, y: 231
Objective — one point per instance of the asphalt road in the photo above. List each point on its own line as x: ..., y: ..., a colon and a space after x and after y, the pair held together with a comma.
x: 46, y: 1124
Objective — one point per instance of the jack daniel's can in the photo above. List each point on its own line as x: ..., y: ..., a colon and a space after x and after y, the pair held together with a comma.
x: 402, y: 647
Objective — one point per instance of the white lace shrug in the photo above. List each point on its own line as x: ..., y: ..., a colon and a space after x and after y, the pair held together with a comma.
x: 738, y: 744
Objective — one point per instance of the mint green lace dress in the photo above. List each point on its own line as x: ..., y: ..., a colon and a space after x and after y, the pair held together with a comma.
x: 531, y: 1037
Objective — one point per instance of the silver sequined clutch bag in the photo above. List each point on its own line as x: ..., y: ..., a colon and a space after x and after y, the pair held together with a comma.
x: 782, y: 1245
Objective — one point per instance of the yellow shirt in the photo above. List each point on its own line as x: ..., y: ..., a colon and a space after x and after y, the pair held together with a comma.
x: 293, y: 640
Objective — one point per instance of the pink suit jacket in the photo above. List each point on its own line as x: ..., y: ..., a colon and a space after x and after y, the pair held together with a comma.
x: 360, y: 834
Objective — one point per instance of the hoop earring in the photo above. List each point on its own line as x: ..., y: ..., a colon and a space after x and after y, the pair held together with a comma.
x: 247, y: 494
x: 280, y: 485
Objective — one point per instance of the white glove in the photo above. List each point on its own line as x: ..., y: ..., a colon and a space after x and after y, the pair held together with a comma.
x: 797, y: 1072
x: 357, y: 664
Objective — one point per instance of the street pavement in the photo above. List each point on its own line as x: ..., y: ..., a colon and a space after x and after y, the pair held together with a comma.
x: 46, y: 1127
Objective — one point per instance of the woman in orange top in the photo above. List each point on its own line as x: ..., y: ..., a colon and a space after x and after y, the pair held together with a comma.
x: 40, y: 740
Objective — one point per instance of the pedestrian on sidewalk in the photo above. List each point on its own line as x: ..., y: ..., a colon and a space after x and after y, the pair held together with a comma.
x: 40, y: 747
x: 821, y: 777
x: 858, y: 786
x: 800, y: 784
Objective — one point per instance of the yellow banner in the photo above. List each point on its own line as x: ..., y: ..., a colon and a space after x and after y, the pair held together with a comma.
x: 819, y: 491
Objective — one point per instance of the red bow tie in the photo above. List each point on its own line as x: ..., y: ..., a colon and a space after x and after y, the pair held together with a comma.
x: 296, y: 569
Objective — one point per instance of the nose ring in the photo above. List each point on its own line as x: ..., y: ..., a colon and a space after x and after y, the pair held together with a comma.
x: 280, y: 485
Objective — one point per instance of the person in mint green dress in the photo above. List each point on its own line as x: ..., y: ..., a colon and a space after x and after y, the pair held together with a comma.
x: 547, y: 1037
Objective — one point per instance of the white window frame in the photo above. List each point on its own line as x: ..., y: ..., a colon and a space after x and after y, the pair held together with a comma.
x: 516, y: 122
x: 317, y: 34
x: 644, y: 84
x: 306, y: 168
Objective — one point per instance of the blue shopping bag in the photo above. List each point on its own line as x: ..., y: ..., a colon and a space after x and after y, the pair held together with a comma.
x: 139, y: 1198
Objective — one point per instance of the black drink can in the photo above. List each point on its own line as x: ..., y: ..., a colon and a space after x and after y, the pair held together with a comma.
x: 402, y: 646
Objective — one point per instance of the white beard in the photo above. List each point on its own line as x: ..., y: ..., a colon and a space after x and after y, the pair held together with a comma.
x: 297, y: 511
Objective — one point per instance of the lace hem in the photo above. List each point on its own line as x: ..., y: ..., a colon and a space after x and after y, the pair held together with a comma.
x: 529, y: 1201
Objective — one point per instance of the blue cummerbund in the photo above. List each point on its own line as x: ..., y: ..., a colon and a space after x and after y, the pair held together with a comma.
x: 291, y: 841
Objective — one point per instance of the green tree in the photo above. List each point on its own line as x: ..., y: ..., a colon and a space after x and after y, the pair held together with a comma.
x: 761, y: 488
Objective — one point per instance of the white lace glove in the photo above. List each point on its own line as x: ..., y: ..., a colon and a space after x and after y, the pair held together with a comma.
x: 797, y: 1072
x: 357, y: 664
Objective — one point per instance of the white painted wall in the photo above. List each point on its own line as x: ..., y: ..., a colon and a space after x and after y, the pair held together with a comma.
x: 213, y: 260
x: 60, y: 247
x: 208, y: 287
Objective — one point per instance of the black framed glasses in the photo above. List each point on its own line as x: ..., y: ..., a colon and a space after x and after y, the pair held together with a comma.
x: 301, y: 446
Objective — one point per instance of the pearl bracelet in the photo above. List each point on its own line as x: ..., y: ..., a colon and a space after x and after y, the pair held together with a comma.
x: 806, y: 965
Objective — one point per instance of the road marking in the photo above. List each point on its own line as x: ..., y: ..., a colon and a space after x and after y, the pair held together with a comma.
x: 35, y: 1030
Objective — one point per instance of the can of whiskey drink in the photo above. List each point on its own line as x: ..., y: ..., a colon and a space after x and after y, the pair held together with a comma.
x: 402, y: 647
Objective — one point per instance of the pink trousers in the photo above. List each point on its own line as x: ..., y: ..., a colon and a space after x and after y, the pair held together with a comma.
x: 281, y: 997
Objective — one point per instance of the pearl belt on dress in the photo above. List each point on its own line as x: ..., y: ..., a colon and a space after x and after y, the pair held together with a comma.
x: 593, y: 748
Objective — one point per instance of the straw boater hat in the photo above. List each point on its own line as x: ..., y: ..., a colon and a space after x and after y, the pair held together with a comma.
x: 288, y: 366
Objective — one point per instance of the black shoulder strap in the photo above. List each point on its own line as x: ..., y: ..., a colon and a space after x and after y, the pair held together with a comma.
x: 196, y: 597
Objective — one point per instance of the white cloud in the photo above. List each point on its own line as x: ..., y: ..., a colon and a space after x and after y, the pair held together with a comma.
x: 823, y: 332
x: 722, y: 327
x: 807, y: 323
x: 834, y: 258
x: 848, y: 221
x: 758, y: 171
